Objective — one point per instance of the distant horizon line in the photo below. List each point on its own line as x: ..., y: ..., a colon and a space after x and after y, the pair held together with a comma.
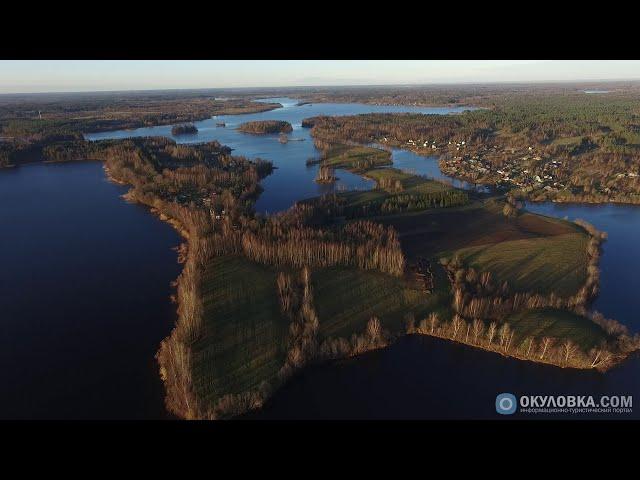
x: 258, y: 88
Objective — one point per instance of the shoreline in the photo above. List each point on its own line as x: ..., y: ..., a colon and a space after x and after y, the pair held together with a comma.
x: 244, y: 402
x: 252, y: 400
x: 129, y: 196
x: 184, y: 252
x: 425, y: 153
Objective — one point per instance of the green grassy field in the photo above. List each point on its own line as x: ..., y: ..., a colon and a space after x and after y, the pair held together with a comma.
x: 346, y: 299
x: 244, y: 341
x: 356, y: 157
x: 245, y: 335
x: 549, y: 322
x: 531, y: 252
x: 415, y: 193
x: 541, y: 264
x: 410, y: 183
x: 396, y: 190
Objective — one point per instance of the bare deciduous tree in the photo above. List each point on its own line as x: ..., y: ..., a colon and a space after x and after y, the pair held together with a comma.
x: 456, y: 324
x: 601, y: 357
x: 546, y: 343
x: 503, y: 334
x: 478, y: 326
x: 569, y: 349
x: 433, y: 321
x: 491, y: 332
x: 530, y: 346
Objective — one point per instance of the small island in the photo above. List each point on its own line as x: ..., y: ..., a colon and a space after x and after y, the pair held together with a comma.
x: 184, y: 129
x: 266, y: 126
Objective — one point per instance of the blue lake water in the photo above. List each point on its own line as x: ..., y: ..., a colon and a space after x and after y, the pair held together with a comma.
x: 427, y: 165
x: 293, y: 180
x: 85, y: 284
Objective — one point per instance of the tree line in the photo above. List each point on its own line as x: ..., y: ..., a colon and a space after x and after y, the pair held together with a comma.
x: 481, y: 306
x: 360, y: 244
x: 184, y: 129
x: 266, y: 126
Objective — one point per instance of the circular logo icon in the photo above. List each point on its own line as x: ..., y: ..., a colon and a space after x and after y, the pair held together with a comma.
x: 506, y: 403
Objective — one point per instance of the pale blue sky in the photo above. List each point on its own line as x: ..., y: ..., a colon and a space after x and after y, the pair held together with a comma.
x: 93, y: 75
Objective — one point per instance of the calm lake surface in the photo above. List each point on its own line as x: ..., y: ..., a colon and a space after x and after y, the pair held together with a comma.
x: 84, y: 296
x: 293, y: 180
x: 85, y: 289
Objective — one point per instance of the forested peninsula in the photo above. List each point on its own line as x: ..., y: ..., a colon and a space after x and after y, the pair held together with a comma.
x: 261, y: 297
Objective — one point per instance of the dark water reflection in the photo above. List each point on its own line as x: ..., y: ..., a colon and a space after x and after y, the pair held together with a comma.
x: 429, y: 378
x: 84, y: 296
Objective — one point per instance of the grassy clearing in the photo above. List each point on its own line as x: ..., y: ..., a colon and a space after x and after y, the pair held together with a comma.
x: 356, y: 157
x: 395, y: 191
x: 531, y: 252
x: 542, y: 264
x: 346, y: 299
x: 549, y: 322
x: 244, y: 339
x: 410, y: 183
x: 245, y: 335
x: 400, y: 192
